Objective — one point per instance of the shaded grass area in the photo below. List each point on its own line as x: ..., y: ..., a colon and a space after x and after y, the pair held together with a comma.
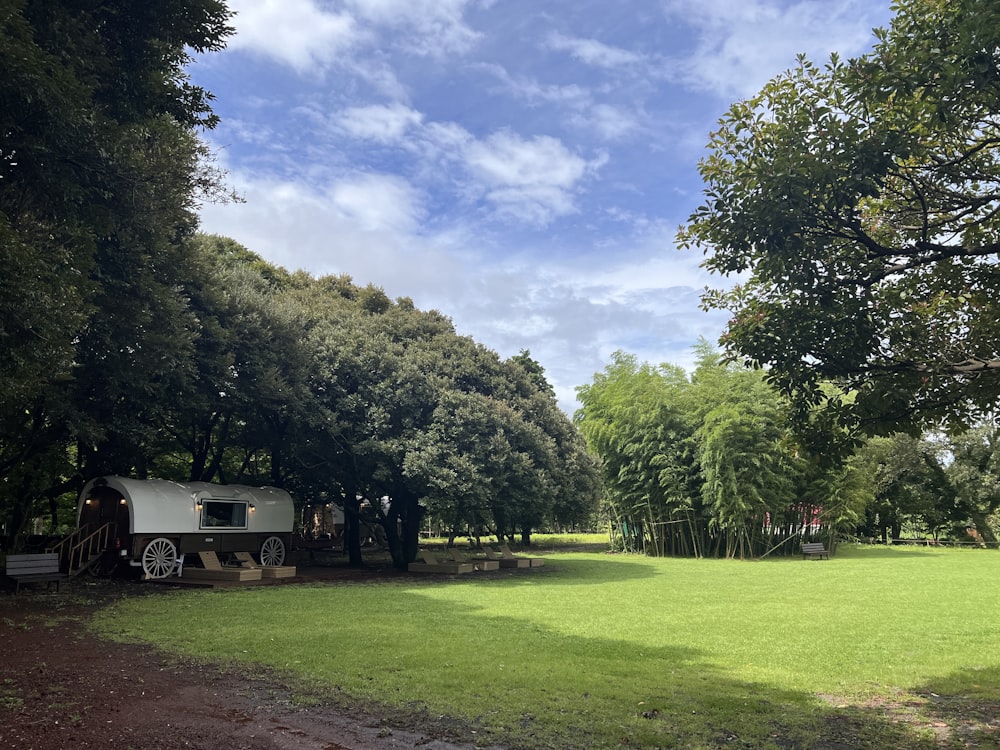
x: 877, y: 648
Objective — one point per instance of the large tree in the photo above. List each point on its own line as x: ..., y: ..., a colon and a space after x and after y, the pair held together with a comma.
x: 859, y: 201
x: 974, y: 474
x: 100, y: 169
x: 911, y: 493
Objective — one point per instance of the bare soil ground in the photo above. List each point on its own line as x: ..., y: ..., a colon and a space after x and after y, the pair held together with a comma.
x: 61, y: 687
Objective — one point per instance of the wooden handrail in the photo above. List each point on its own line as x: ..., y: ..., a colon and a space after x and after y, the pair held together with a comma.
x: 61, y: 544
x: 78, y: 549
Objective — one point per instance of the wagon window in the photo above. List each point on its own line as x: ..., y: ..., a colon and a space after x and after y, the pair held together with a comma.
x: 223, y: 514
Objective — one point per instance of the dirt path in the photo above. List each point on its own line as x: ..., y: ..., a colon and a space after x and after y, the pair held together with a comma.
x: 62, y: 687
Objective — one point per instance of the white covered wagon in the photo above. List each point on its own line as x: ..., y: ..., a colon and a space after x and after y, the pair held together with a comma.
x: 153, y: 523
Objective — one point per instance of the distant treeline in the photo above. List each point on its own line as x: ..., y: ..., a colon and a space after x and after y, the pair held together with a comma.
x: 717, y: 464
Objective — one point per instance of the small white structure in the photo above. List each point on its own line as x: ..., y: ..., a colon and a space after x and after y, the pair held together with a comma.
x: 156, y: 522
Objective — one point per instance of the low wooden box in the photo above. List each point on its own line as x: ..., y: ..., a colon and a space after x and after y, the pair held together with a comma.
x: 278, y: 571
x: 222, y: 574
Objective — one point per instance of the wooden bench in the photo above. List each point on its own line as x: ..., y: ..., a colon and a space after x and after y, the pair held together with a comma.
x: 429, y: 563
x: 507, y: 562
x: 456, y: 556
x: 42, y: 567
x: 814, y: 550
x: 533, y: 562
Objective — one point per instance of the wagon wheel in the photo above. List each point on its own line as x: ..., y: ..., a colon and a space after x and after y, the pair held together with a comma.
x: 159, y: 558
x: 272, y: 551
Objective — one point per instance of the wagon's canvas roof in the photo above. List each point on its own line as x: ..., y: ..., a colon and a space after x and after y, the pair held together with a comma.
x: 162, y: 506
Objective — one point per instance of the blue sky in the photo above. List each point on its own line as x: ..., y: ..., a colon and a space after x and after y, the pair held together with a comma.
x: 521, y: 166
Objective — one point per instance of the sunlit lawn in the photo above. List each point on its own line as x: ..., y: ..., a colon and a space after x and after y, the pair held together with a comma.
x: 598, y: 650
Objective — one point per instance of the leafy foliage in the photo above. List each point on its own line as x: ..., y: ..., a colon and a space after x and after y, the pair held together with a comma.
x: 708, y: 465
x: 974, y: 476
x: 714, y: 464
x: 860, y: 202
x: 135, y: 347
x: 910, y: 488
x: 100, y: 168
x: 340, y: 394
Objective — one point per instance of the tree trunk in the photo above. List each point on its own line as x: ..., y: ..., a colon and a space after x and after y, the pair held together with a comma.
x: 352, y: 528
x: 18, y: 520
x: 54, y: 512
x: 694, y: 536
x: 391, y: 525
x: 984, y: 528
x: 411, y: 519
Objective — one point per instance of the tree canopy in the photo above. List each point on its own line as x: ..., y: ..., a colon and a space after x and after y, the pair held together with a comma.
x: 135, y: 346
x: 338, y: 394
x: 100, y: 171
x: 859, y: 203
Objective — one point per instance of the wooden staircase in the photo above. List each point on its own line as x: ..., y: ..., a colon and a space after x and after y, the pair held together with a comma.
x: 84, y: 547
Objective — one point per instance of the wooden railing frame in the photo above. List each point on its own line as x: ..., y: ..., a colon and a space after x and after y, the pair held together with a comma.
x: 81, y: 547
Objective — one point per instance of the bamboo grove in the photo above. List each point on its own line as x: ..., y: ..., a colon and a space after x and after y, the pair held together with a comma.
x: 717, y: 463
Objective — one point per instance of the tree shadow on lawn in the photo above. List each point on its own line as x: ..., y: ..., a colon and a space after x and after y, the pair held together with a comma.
x: 586, y: 570
x: 966, y: 702
x: 687, y: 703
x: 882, y: 551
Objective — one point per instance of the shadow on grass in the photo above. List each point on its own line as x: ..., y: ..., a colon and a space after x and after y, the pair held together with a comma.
x: 586, y: 570
x: 967, y: 702
x: 607, y: 693
x: 527, y: 686
x: 881, y: 551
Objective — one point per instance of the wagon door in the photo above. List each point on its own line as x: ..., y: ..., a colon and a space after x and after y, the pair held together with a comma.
x: 104, y: 516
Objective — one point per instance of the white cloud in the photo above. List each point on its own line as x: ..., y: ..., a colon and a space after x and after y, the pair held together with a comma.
x: 447, y: 135
x: 593, y: 52
x: 250, y: 132
x: 531, y: 179
x: 570, y: 313
x: 530, y: 324
x: 530, y: 90
x: 664, y: 271
x: 365, y: 225
x: 435, y: 27
x: 378, y: 202
x: 507, y: 159
x: 469, y: 178
x: 740, y: 46
x: 608, y: 121
x: 531, y: 204
x: 297, y: 33
x: 385, y: 124
x: 310, y: 36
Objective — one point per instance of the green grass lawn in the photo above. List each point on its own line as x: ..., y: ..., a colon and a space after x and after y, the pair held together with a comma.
x: 874, y: 648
